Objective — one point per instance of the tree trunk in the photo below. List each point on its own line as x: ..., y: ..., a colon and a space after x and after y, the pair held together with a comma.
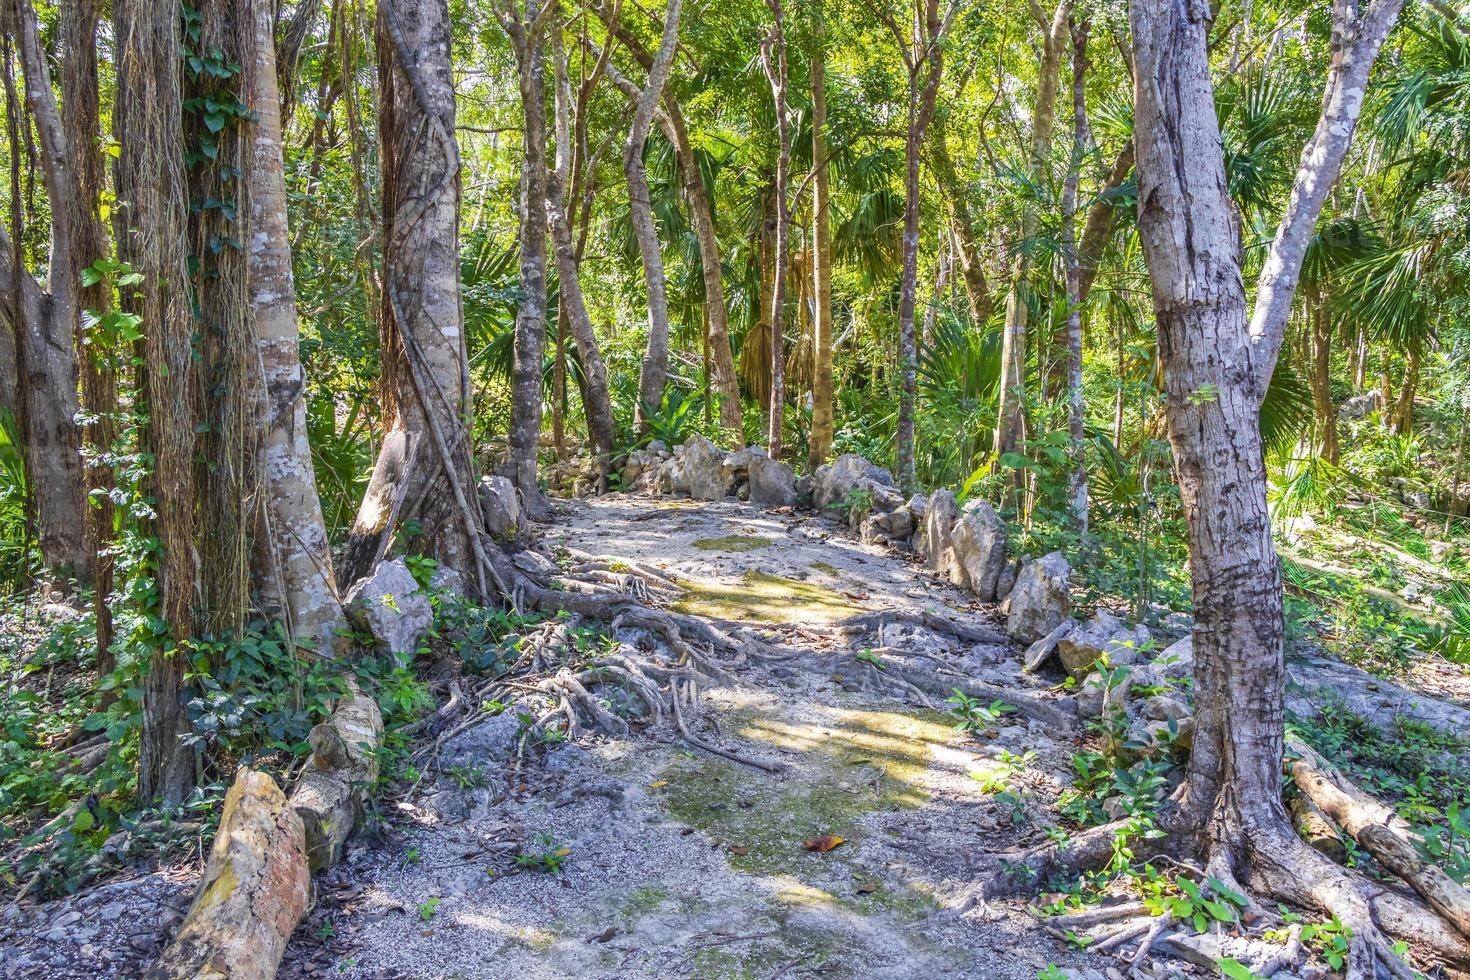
x: 654, y: 372
x: 1076, y: 408
x: 596, y: 401
x: 530, y: 337
x: 1403, y: 409
x: 956, y: 202
x: 296, y: 534
x: 819, y: 443
x: 424, y: 470
x: 1322, y: 380
x: 1010, y: 415
x: 46, y: 324
x: 1217, y: 367
x: 151, y: 182
x: 81, y: 119
x: 773, y: 52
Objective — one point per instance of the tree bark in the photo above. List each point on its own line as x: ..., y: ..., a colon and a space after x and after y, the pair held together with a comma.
x: 1076, y: 408
x: 46, y: 325
x: 151, y: 182
x: 295, y: 531
x: 654, y: 373
x: 819, y: 443
x: 1322, y: 380
x: 956, y: 201
x: 773, y: 53
x: 1010, y: 416
x: 1403, y: 408
x: 424, y: 471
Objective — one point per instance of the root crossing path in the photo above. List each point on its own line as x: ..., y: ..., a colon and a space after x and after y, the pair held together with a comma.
x: 673, y: 861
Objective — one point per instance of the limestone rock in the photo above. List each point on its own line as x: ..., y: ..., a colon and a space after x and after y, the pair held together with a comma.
x: 1104, y: 634
x: 979, y: 549
x: 639, y: 468
x: 1177, y: 660
x: 704, y: 468
x: 491, y: 740
x: 835, y: 482
x: 936, y: 542
x: 534, y: 564
x: 1041, y: 599
x: 671, y: 478
x: 500, y: 507
x: 772, y: 483
x: 389, y: 605
x: 1041, y: 650
x: 1358, y: 406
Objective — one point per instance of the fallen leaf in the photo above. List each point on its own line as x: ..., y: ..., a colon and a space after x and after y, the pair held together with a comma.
x: 658, y: 783
x: 562, y: 852
x: 740, y: 851
x: 823, y: 844
x: 867, y: 888
x: 603, y: 936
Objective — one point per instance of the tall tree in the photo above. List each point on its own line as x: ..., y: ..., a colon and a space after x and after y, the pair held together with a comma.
x: 1072, y: 263
x: 1217, y: 365
x: 424, y: 470
x: 922, y: 51
x: 152, y: 185
x: 295, y: 534
x: 45, y: 321
x: 820, y: 441
x: 654, y: 373
x: 773, y: 57
x: 527, y: 31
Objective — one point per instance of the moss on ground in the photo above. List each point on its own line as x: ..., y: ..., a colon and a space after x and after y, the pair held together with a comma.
x: 733, y: 542
x: 767, y: 598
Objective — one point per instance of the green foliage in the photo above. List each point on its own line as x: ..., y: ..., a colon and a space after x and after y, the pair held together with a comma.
x: 973, y: 716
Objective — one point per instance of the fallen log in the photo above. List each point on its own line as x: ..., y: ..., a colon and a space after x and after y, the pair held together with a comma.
x: 1373, y: 825
x: 254, y: 891
x: 257, y: 883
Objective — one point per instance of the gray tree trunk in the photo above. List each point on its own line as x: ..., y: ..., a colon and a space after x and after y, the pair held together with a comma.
x: 654, y: 373
x: 297, y: 535
x: 819, y: 444
x: 1076, y: 406
x: 773, y: 52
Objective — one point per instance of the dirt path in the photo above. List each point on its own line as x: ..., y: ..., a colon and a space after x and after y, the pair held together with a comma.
x: 679, y: 863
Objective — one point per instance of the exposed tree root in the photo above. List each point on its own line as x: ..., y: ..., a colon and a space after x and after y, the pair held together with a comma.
x: 865, y: 622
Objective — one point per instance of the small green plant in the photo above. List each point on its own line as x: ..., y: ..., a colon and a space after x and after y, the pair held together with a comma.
x: 428, y: 908
x: 972, y: 715
x: 997, y: 779
x: 467, y: 777
x: 549, y: 857
x: 867, y: 656
x: 1050, y: 972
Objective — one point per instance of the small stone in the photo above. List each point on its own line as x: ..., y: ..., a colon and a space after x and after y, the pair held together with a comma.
x: 390, y: 605
x: 500, y: 506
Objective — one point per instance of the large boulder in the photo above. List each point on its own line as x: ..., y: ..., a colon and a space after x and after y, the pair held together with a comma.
x: 935, y: 541
x: 1105, y: 634
x: 772, y: 483
x: 500, y: 506
x: 979, y: 549
x: 671, y: 478
x: 1359, y: 406
x: 390, y: 606
x: 639, y: 467
x: 835, y: 482
x: 1041, y: 599
x: 704, y: 468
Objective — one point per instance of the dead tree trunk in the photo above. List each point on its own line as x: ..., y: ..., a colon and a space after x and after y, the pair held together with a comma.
x: 46, y: 321
x: 654, y: 372
x: 819, y: 443
x: 151, y: 182
x: 296, y: 535
x: 424, y: 470
x: 1217, y: 366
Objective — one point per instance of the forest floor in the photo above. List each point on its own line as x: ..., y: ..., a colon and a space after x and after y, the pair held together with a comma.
x: 643, y: 855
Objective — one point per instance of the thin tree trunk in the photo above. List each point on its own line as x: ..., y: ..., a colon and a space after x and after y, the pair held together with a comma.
x: 956, y: 202
x: 773, y: 53
x: 1010, y: 417
x: 296, y: 534
x: 596, y: 400
x: 1360, y: 364
x: 1403, y: 409
x: 151, y: 183
x: 81, y: 119
x: 654, y: 373
x: 1322, y: 380
x: 530, y: 336
x: 424, y: 471
x: 820, y: 441
x: 45, y: 331
x: 1077, y: 409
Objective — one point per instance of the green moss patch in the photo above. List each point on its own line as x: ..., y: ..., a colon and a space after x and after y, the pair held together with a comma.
x: 762, y: 597
x: 734, y: 542
x: 826, y: 569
